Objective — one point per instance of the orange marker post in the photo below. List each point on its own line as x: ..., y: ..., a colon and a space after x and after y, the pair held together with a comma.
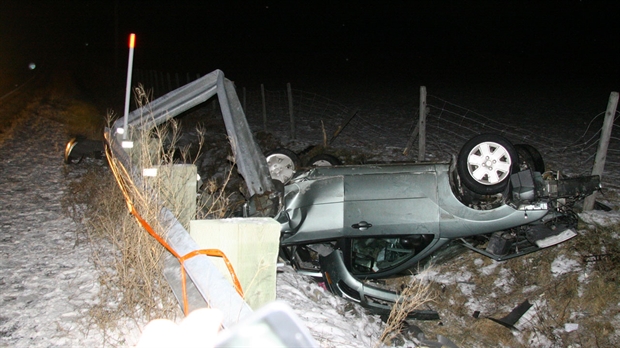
x: 132, y: 43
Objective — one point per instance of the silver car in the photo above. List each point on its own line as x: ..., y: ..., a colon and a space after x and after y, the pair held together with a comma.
x: 351, y: 223
x: 356, y: 222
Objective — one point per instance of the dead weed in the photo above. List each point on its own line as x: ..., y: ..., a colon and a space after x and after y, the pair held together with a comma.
x: 586, y: 294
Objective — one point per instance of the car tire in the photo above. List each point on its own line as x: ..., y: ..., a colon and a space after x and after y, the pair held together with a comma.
x: 485, y: 163
x: 282, y: 164
x: 530, y: 157
x: 70, y: 155
x: 323, y: 160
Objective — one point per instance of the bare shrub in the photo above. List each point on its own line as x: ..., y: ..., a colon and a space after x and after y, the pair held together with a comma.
x: 130, y: 279
x: 415, y: 295
x: 585, y: 294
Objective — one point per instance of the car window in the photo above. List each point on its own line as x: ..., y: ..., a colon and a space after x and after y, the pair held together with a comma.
x: 373, y: 255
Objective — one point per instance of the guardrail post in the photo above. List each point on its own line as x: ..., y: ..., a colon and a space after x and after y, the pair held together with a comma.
x: 601, y: 153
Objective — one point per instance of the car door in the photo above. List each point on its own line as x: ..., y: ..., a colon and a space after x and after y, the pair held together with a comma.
x: 390, y: 204
x: 389, y: 219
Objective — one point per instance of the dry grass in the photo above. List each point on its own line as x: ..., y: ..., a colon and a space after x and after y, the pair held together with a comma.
x: 55, y: 97
x: 214, y: 201
x: 130, y: 279
x: 79, y: 116
x: 417, y: 293
x: 586, y: 294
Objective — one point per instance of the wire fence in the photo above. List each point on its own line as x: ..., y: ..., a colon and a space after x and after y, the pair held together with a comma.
x: 160, y: 82
x: 313, y: 114
x: 564, y: 144
x: 449, y: 121
x: 383, y: 135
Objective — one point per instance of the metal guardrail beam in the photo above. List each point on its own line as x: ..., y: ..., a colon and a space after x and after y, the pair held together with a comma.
x: 173, y: 103
x: 207, y: 286
x: 210, y: 287
x: 250, y: 160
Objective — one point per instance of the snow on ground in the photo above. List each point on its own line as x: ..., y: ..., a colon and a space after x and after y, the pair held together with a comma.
x: 47, y: 281
x: 332, y: 321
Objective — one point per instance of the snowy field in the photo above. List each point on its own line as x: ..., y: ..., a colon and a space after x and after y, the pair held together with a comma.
x: 47, y: 280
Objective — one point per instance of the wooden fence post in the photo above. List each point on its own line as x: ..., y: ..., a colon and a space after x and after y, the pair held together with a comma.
x: 244, y: 106
x: 603, y: 143
x: 162, y: 86
x: 262, y: 94
x: 155, y: 84
x: 290, y: 109
x: 422, y: 125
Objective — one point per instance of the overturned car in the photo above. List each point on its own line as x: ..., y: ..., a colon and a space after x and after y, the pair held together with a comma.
x: 352, y: 223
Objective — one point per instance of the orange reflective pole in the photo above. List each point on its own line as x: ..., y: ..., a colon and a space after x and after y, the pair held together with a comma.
x: 132, y: 44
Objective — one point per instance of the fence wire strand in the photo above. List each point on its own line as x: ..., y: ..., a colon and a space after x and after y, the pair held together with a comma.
x: 448, y: 125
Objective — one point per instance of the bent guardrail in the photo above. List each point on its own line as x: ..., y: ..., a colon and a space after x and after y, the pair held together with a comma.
x: 207, y: 287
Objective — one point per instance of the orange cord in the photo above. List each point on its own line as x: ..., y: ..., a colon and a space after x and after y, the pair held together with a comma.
x: 149, y: 229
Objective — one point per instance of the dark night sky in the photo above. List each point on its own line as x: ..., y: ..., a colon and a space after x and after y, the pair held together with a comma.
x: 305, y: 40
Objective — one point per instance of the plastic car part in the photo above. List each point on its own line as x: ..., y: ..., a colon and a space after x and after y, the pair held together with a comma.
x: 282, y: 164
x: 513, y: 317
x: 526, y: 186
x: 530, y: 158
x: 485, y: 163
x: 323, y: 160
x: 500, y: 243
x: 503, y: 246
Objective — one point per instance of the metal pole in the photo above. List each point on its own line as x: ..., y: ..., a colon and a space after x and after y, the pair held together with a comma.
x: 132, y: 42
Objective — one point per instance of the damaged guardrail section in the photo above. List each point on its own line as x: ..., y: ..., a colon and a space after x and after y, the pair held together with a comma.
x: 206, y: 286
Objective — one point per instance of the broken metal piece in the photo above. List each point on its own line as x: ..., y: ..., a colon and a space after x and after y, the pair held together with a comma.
x: 513, y: 317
